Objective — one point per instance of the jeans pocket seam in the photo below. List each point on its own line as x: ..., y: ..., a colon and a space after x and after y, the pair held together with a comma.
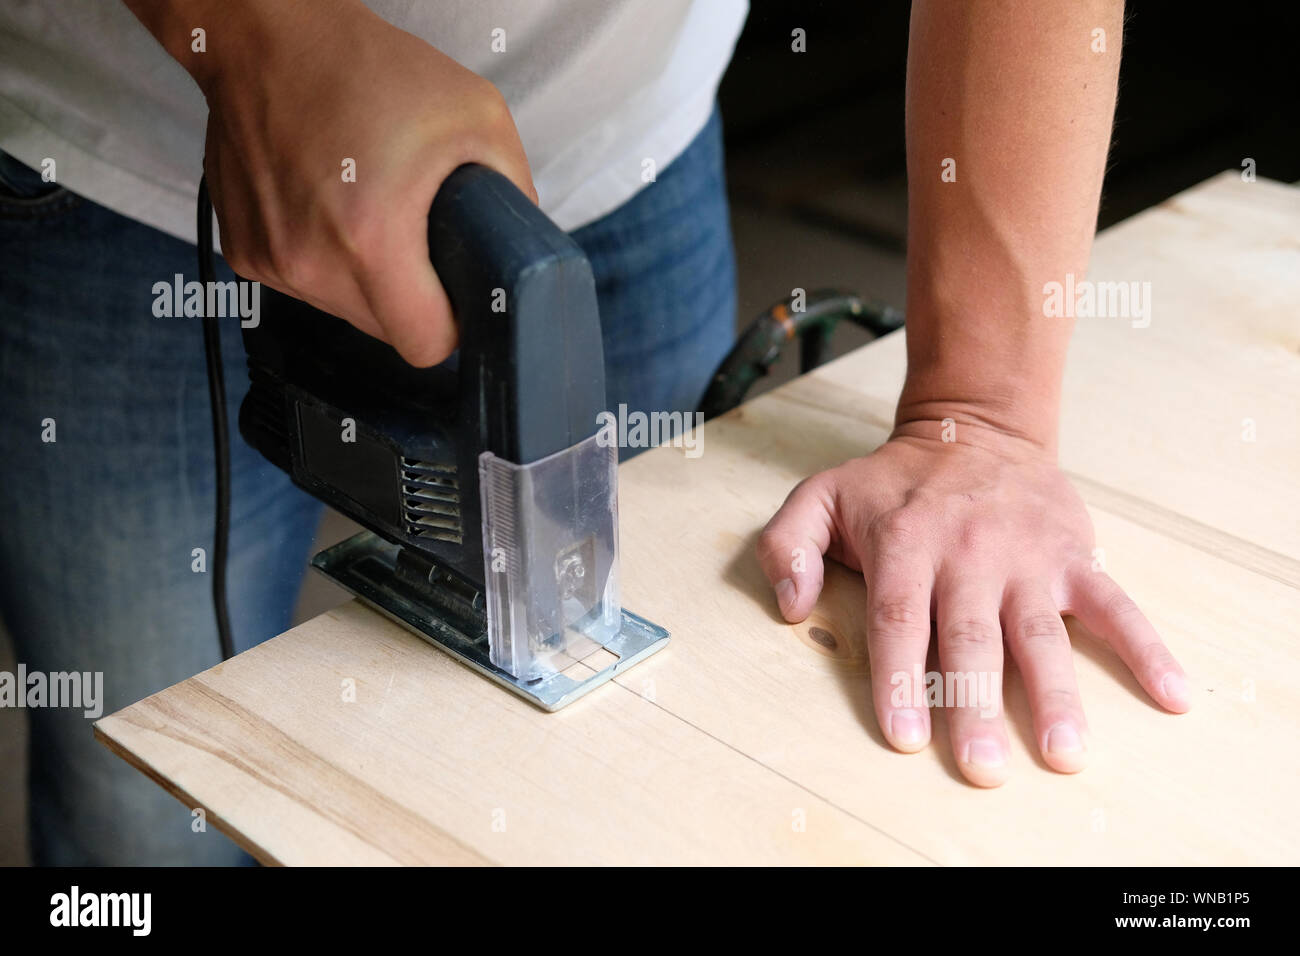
x: 38, y: 207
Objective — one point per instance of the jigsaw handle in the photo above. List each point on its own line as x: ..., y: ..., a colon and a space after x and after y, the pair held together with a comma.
x: 528, y: 380
x: 531, y: 362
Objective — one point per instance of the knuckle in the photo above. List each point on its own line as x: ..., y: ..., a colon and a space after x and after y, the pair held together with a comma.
x: 896, y: 612
x: 895, y: 620
x: 971, y: 633
x: 1041, y: 629
x: 895, y: 529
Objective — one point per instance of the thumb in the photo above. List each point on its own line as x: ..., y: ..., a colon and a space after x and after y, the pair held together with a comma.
x: 790, y: 548
x: 404, y: 295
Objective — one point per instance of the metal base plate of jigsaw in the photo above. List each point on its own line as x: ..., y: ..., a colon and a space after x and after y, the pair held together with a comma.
x: 451, y: 618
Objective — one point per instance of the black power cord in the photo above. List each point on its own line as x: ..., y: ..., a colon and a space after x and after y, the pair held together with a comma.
x: 760, y: 346
x: 220, y: 428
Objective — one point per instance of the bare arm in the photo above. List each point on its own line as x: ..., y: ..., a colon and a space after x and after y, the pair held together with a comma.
x: 1012, y: 92
x: 962, y: 518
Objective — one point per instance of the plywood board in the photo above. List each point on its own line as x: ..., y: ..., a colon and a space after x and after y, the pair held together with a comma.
x: 752, y: 741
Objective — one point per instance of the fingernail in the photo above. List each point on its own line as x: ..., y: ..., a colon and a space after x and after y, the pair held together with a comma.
x: 985, y: 753
x: 785, y: 595
x: 906, y: 728
x: 1064, y: 739
x: 1175, y: 688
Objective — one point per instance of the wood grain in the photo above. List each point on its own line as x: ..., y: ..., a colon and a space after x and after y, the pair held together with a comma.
x: 751, y: 741
x: 432, y: 764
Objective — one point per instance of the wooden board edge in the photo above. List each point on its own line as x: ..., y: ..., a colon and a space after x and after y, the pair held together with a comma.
x: 259, y: 853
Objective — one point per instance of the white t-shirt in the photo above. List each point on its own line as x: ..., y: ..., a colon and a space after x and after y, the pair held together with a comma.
x: 595, y: 88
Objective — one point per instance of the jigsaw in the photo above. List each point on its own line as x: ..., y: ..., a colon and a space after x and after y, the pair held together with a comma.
x: 491, y: 505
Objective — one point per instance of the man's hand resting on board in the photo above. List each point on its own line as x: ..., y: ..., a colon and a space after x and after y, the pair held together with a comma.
x: 971, y: 525
x: 983, y: 536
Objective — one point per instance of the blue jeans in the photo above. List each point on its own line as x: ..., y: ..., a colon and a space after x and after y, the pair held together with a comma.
x: 97, y: 527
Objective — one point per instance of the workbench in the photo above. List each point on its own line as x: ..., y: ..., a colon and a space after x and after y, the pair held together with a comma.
x: 751, y: 741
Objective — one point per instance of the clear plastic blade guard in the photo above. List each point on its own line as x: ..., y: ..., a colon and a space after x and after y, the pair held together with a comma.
x: 550, y: 554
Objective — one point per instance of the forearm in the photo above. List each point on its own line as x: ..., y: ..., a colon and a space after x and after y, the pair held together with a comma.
x: 1013, y: 94
x: 233, y: 30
